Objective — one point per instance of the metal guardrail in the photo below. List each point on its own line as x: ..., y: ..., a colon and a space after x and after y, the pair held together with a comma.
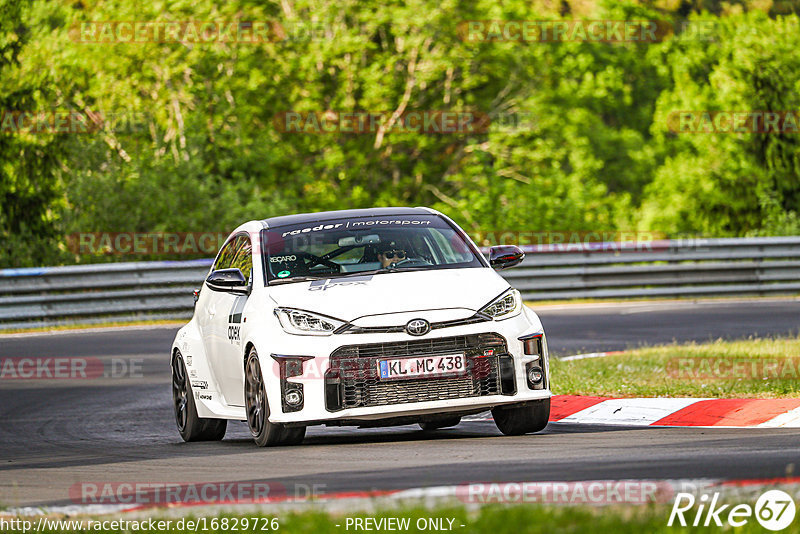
x: 669, y: 268
x: 99, y: 293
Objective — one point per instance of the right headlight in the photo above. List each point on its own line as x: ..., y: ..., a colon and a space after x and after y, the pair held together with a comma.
x: 507, y: 305
x: 305, y: 323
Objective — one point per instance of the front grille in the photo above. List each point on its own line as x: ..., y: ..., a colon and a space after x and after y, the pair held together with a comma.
x: 352, y: 329
x: 352, y: 380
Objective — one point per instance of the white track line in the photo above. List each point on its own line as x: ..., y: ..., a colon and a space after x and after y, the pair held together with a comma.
x: 586, y: 356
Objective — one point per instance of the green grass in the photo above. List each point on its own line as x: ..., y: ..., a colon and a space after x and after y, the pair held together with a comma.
x: 497, y: 520
x: 764, y: 368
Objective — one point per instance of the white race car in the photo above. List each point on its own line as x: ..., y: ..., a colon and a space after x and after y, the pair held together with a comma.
x: 376, y: 317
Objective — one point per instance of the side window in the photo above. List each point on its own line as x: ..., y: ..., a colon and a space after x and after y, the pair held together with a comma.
x: 453, y: 249
x: 243, y: 260
x: 227, y: 254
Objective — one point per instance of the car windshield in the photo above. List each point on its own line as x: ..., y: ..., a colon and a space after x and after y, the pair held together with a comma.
x: 379, y: 244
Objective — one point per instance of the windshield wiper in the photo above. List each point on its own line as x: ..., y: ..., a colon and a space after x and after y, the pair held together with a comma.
x: 276, y: 281
x: 356, y: 273
x: 402, y: 269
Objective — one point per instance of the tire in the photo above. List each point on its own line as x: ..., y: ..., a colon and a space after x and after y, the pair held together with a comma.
x: 293, y: 435
x: 264, y: 433
x: 430, y: 426
x: 190, y: 426
x: 524, y: 419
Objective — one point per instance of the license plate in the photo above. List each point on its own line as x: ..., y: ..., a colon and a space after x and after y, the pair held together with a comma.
x: 422, y: 367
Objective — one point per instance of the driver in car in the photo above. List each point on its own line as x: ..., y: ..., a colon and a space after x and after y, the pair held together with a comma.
x: 389, y: 254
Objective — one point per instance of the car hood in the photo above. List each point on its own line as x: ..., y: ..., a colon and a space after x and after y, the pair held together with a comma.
x: 464, y: 291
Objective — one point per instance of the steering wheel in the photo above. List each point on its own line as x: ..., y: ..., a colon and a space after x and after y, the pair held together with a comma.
x: 410, y: 260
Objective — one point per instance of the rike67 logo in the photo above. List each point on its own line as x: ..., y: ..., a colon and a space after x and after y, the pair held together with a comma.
x: 774, y: 510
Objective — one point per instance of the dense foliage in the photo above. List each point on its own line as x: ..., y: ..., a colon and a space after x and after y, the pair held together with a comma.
x: 579, y: 139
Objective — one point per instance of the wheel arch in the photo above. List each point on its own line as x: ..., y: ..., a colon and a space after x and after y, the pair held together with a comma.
x: 250, y: 345
x: 175, y: 350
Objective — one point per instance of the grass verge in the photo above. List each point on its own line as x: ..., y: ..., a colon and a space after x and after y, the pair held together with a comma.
x: 91, y: 326
x: 764, y: 368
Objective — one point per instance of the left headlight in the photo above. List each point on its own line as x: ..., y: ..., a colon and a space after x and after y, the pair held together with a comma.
x: 305, y: 323
x: 507, y: 305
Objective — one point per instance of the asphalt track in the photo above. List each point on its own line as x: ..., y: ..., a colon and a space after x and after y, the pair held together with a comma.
x: 57, y: 433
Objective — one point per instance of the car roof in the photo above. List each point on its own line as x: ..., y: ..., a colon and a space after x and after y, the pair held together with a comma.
x: 309, y: 218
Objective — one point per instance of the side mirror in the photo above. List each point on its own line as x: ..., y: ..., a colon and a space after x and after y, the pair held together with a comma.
x: 231, y: 280
x: 505, y: 256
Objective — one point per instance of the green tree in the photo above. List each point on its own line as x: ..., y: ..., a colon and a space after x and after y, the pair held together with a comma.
x: 737, y: 183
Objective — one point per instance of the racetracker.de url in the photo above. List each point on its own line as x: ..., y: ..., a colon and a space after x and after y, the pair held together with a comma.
x: 199, y: 524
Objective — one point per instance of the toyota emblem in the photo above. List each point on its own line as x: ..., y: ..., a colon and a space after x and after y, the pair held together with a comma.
x: 418, y: 327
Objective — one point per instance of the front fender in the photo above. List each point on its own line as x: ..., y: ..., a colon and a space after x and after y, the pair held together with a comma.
x: 189, y: 342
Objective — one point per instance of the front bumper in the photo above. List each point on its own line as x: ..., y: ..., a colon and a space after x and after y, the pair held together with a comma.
x: 362, y: 397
